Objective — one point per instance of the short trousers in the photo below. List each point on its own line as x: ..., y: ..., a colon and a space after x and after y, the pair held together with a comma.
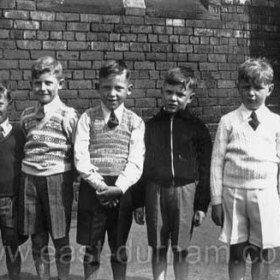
x: 169, y: 214
x: 46, y: 204
x: 8, y: 222
x: 251, y: 216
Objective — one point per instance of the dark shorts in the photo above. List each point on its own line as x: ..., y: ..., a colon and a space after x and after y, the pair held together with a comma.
x: 46, y: 204
x: 94, y: 219
x: 169, y: 213
x: 8, y: 222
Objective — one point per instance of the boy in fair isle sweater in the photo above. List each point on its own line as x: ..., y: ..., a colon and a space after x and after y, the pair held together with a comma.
x: 244, y: 174
x: 109, y: 155
x: 12, y: 141
x: 46, y: 193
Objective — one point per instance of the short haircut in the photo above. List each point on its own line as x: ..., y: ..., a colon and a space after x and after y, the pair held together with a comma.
x: 5, y: 91
x: 181, y: 75
x: 46, y: 64
x: 256, y: 70
x: 114, y: 67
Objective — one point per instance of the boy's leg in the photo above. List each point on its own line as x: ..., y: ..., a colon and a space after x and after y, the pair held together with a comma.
x: 159, y: 263
x: 62, y: 257
x: 13, y: 262
x: 237, y: 261
x: 41, y: 254
x: 92, y: 261
x: 180, y: 264
x: 118, y: 253
x: 260, y: 263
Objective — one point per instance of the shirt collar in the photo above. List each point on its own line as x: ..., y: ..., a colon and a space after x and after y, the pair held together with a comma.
x: 6, y: 127
x: 118, y: 112
x: 52, y: 106
x: 246, y: 113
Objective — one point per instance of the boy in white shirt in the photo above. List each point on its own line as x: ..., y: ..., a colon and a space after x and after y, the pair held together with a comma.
x: 109, y: 154
x: 244, y: 174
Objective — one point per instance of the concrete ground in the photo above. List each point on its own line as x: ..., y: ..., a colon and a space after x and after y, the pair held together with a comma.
x: 207, y: 257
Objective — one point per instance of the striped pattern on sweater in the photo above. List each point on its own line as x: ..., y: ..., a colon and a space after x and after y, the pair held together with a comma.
x: 109, y: 148
x: 48, y: 149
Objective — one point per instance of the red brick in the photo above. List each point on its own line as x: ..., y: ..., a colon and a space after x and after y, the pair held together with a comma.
x: 26, y: 5
x: 182, y: 48
x: 7, y: 44
x: 82, y: 84
x: 77, y: 26
x: 29, y: 45
x: 91, y: 55
x: 46, y: 16
x: 78, y: 45
x: 21, y: 24
x: 133, y: 20
x: 39, y: 53
x: 16, y: 14
x: 121, y: 46
x: 4, y: 34
x: 16, y: 54
x: 76, y: 64
x: 144, y: 65
x: 54, y: 45
x: 140, y: 84
x: 53, y: 26
x: 67, y: 17
x: 145, y: 102
x: 10, y: 4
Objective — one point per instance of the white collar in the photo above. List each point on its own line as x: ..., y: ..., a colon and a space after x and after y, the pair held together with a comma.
x: 246, y: 113
x: 52, y: 106
x: 106, y: 112
x: 7, y: 127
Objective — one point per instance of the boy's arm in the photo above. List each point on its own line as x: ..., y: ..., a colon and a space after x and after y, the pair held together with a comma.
x: 134, y: 167
x: 204, y: 149
x: 70, y: 123
x: 217, y: 163
x: 82, y: 157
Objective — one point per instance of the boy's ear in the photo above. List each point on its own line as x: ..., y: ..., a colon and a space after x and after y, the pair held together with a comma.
x: 61, y: 83
x: 191, y: 97
x: 129, y: 89
x: 270, y: 89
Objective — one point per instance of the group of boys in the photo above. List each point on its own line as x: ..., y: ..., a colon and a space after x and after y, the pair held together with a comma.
x: 165, y: 166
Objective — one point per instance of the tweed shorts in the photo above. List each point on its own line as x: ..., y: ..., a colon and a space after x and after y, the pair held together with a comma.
x: 169, y: 213
x: 46, y: 204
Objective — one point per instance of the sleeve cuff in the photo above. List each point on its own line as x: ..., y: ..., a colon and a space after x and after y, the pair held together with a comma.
x: 216, y: 200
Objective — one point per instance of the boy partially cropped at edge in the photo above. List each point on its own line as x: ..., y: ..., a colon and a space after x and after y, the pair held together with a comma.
x: 12, y: 141
x: 244, y: 174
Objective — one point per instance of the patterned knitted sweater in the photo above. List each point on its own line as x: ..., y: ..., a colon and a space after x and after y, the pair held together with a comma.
x: 49, y: 146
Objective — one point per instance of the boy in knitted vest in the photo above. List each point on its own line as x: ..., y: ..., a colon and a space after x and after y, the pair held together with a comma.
x: 11, y: 153
x: 244, y: 174
x: 109, y: 153
x: 46, y: 193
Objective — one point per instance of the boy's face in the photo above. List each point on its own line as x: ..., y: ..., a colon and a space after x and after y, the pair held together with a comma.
x: 253, y: 96
x: 4, y: 105
x: 176, y: 97
x: 46, y: 87
x: 114, y: 90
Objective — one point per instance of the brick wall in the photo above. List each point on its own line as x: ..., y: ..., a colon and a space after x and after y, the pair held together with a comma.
x: 150, y: 45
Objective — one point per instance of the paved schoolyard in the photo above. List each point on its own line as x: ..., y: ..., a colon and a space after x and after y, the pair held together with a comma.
x: 207, y: 257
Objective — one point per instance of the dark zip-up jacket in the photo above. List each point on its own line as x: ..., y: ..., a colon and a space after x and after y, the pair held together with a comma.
x: 178, y: 149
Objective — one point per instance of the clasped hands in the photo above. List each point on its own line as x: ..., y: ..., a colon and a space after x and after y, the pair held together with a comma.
x: 109, y: 195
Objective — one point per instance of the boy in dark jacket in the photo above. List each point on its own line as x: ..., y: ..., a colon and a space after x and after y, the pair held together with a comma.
x: 176, y: 173
x: 12, y: 141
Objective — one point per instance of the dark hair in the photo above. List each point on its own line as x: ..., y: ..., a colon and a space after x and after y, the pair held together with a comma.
x: 5, y: 91
x: 181, y: 75
x: 257, y: 70
x: 46, y: 64
x: 114, y: 67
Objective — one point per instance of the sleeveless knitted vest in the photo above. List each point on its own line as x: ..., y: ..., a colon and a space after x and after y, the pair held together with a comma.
x: 109, y: 148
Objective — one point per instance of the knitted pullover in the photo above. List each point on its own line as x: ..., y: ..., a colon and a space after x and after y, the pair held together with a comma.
x: 49, y: 146
x: 11, y: 154
x: 243, y: 157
